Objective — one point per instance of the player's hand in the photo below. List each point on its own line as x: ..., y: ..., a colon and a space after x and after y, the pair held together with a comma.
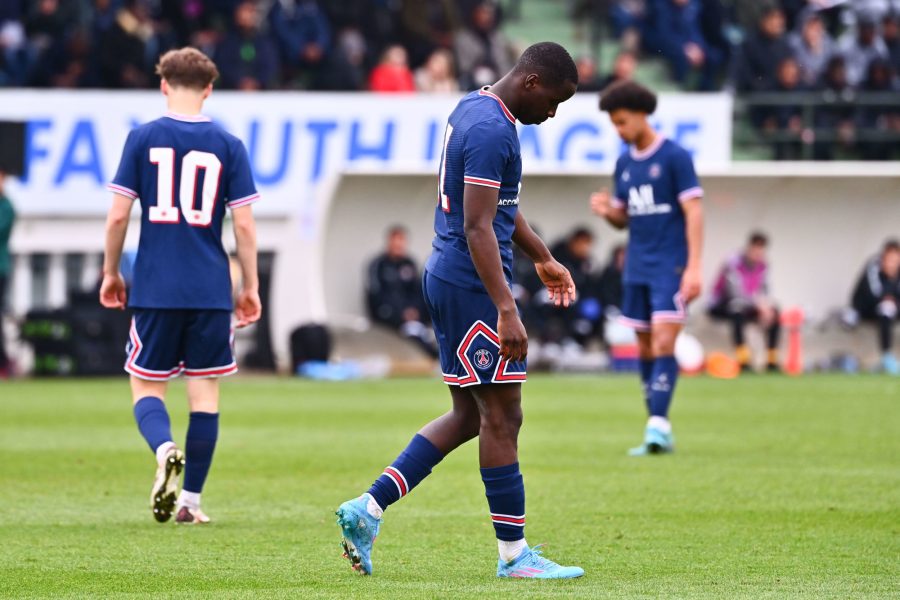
x: 247, y: 308
x: 691, y: 284
x: 513, y: 338
x: 558, y: 281
x: 601, y: 203
x: 112, y: 292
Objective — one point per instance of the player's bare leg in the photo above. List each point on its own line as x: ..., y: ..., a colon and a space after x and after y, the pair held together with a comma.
x: 660, y: 342
x: 458, y: 425
x: 203, y: 429
x: 153, y: 421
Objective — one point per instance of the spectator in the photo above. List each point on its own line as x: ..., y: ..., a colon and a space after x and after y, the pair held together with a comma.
x: 247, y: 59
x: 392, y: 74
x: 876, y: 119
x: 610, y: 284
x: 609, y: 288
x: 588, y: 81
x: 674, y: 32
x: 890, y: 34
x: 811, y: 46
x: 345, y: 68
x: 580, y: 322
x: 437, y: 74
x: 741, y: 295
x: 427, y: 26
x: 624, y: 67
x: 628, y: 18
x: 394, y: 292
x: 713, y: 22
x: 761, y: 52
x: 7, y: 220
x: 787, y: 120
x: 123, y: 48
x: 483, y: 52
x: 303, y: 34
x: 838, y: 121
x: 14, y: 54
x: 861, y: 47
x: 876, y: 297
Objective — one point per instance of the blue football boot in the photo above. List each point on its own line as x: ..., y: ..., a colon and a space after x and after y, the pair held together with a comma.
x: 655, y: 442
x: 359, y: 529
x: 531, y: 565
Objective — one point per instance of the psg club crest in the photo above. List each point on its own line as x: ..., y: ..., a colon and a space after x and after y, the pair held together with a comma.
x: 655, y: 171
x: 483, y: 359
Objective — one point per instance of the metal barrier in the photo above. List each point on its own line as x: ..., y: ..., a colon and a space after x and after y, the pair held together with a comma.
x: 825, y: 116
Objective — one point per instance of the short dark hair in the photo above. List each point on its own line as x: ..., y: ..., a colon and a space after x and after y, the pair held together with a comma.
x: 552, y: 63
x: 891, y: 245
x: 628, y: 95
x: 758, y: 238
x: 580, y: 233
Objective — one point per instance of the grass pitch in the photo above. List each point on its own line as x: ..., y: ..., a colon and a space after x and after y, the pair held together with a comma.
x: 780, y: 488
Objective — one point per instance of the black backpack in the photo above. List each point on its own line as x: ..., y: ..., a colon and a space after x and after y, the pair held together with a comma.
x: 310, y: 342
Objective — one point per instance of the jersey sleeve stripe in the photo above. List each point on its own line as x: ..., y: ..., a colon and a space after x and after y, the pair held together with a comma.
x: 481, y: 181
x: 690, y: 194
x: 121, y: 189
x: 243, y: 201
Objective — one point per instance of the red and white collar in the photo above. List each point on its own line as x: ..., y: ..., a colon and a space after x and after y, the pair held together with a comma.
x: 649, y: 150
x: 484, y: 92
x: 188, y: 118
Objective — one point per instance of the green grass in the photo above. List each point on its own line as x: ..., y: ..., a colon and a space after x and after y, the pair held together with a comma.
x: 780, y: 488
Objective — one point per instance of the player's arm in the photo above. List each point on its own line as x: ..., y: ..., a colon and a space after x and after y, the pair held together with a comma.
x: 555, y: 277
x: 607, y: 207
x: 112, y: 290
x: 480, y: 208
x: 692, y: 280
x: 248, y: 308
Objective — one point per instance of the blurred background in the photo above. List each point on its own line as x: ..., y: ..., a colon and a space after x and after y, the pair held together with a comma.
x: 790, y: 107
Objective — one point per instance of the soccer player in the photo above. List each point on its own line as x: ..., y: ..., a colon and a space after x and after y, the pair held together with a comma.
x: 185, y: 170
x: 467, y: 289
x: 657, y: 197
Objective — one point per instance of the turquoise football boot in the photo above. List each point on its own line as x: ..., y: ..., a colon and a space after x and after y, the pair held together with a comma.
x: 359, y: 529
x: 655, y: 442
x: 889, y: 364
x: 531, y: 565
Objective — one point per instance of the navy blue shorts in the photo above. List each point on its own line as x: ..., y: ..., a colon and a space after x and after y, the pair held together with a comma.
x: 465, y: 324
x: 164, y: 343
x: 657, y: 302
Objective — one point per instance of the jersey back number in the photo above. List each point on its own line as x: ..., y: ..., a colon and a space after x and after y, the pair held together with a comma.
x: 165, y: 210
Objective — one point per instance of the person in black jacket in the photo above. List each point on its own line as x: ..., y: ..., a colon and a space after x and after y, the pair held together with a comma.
x: 876, y: 299
x: 761, y: 52
x: 394, y: 291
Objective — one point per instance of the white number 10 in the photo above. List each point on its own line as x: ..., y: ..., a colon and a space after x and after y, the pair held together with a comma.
x: 165, y: 210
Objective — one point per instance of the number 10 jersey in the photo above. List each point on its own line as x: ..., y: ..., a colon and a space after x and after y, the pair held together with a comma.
x: 185, y: 171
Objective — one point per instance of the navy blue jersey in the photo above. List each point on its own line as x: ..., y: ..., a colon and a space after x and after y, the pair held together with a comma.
x: 481, y: 147
x: 185, y: 171
x: 653, y: 184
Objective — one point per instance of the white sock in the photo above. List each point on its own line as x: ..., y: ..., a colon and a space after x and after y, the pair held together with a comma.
x: 161, y: 452
x: 189, y: 499
x: 372, y: 507
x: 660, y: 423
x: 510, y: 551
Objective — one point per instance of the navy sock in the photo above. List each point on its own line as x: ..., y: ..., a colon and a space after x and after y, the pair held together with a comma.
x: 412, y: 466
x: 202, y: 433
x: 505, y: 493
x: 665, y: 376
x: 646, y: 375
x: 153, y: 421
